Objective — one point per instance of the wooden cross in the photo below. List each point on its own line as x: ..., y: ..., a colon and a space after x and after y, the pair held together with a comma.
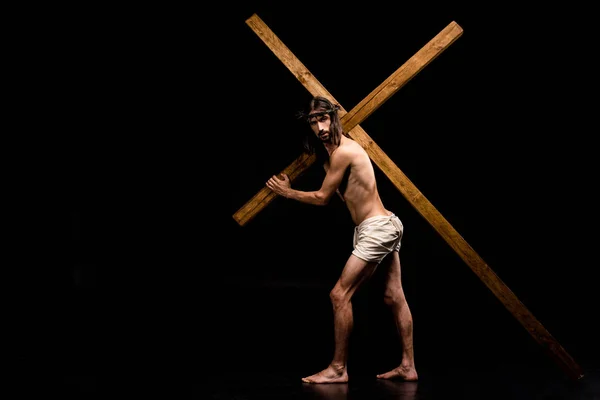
x: 350, y: 121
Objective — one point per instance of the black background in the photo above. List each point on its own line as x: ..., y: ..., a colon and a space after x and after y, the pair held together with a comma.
x: 175, y: 117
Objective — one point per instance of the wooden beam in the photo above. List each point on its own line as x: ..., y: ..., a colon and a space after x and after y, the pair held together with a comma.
x: 468, y: 254
x: 403, y: 75
x: 401, y: 181
x: 264, y: 196
x: 358, y: 114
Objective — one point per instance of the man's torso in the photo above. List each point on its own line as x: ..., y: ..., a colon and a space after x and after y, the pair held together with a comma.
x: 359, y: 187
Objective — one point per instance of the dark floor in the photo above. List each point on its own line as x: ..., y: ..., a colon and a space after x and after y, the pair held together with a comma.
x: 142, y: 364
x: 452, y: 384
x: 473, y: 383
x: 134, y: 344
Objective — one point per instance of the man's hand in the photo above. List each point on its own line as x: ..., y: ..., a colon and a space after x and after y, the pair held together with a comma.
x: 281, y: 186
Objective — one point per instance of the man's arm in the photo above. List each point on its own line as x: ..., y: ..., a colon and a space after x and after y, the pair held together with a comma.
x: 339, y: 161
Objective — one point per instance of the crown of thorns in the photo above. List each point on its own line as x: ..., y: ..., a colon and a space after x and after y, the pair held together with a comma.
x: 309, y: 115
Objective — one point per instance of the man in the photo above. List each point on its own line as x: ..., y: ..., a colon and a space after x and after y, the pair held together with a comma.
x: 378, y: 232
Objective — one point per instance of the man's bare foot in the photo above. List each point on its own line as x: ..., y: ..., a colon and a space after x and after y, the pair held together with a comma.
x: 328, y: 375
x: 402, y: 373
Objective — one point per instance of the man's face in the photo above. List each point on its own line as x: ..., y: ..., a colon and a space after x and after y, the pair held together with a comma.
x: 319, y: 122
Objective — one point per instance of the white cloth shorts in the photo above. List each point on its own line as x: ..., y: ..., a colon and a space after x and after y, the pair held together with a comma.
x: 376, y: 237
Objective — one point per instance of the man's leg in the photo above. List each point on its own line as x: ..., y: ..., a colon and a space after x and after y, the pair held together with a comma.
x: 355, y: 273
x: 394, y: 297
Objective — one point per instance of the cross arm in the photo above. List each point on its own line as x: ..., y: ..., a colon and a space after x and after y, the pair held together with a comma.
x: 264, y: 196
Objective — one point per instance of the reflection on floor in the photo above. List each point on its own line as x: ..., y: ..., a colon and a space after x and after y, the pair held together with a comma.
x: 476, y: 383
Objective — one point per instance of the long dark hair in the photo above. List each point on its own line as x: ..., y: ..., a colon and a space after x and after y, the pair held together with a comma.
x: 311, y: 144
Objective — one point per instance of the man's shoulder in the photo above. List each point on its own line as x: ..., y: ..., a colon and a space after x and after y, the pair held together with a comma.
x: 351, y: 145
x: 349, y: 150
x: 355, y: 149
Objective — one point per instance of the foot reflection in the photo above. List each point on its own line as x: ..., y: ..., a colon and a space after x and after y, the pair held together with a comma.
x: 397, y: 389
x: 327, y: 391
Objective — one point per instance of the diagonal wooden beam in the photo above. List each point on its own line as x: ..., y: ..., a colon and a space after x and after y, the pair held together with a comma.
x: 264, y: 196
x: 349, y: 119
x: 469, y: 256
x: 410, y: 191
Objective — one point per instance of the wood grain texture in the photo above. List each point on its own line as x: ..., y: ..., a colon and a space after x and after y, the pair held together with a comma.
x: 264, y: 196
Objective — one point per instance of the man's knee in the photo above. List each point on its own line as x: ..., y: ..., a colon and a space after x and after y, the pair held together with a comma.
x: 394, y: 298
x: 339, y: 297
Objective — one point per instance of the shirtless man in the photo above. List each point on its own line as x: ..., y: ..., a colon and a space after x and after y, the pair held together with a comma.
x: 378, y: 233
